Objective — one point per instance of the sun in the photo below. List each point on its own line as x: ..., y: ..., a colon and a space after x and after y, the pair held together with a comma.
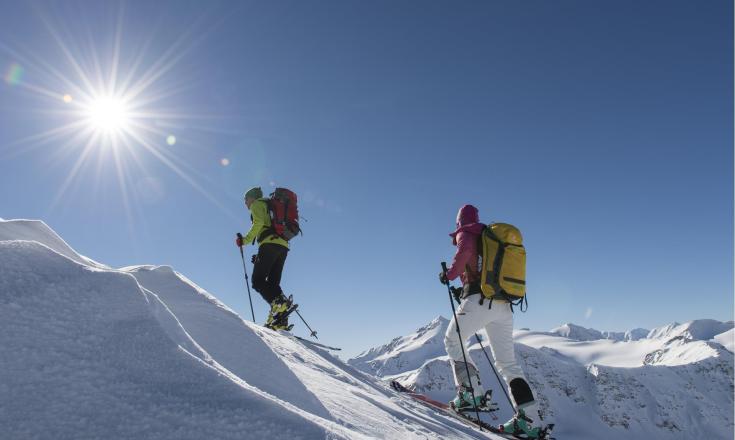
x: 113, y: 113
x: 108, y: 115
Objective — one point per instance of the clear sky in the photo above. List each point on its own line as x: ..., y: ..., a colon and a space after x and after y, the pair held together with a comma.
x: 602, y: 129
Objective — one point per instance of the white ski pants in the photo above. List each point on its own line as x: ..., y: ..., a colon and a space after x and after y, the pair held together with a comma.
x: 498, y: 323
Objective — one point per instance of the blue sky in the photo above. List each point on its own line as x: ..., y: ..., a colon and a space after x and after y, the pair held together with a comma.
x: 603, y: 130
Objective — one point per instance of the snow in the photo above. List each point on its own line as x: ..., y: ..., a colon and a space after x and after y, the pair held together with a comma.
x: 578, y: 333
x: 404, y: 353
x: 702, y: 329
x: 672, y: 382
x: 142, y: 352
x: 36, y: 230
x: 83, y: 353
x: 726, y: 339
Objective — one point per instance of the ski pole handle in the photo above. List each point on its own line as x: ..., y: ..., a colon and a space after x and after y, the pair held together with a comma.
x: 445, y: 270
x: 239, y: 236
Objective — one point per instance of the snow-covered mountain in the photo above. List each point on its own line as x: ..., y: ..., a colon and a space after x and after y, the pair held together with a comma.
x: 673, y: 382
x: 404, y: 353
x: 144, y: 353
x: 579, y: 333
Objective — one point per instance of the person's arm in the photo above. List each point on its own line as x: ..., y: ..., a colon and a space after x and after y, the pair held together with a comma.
x: 259, y: 211
x: 465, y: 244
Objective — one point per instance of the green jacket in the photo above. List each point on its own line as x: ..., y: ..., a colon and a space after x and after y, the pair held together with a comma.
x: 261, y: 221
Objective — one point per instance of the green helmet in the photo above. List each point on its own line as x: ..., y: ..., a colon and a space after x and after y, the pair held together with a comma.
x: 255, y: 193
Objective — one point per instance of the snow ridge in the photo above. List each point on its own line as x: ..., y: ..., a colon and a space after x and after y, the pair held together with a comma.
x: 406, y: 352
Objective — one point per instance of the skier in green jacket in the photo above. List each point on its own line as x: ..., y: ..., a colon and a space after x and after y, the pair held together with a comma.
x: 269, y: 262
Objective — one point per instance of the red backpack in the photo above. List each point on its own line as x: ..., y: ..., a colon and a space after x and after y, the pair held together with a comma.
x: 284, y: 212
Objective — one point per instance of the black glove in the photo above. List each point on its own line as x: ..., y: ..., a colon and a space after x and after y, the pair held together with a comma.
x: 443, y: 278
x: 457, y: 294
x: 254, y: 258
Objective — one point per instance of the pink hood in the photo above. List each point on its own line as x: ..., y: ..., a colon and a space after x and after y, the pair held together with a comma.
x: 468, y: 219
x: 465, y: 238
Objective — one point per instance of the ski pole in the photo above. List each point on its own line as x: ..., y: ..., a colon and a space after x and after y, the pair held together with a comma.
x: 461, y: 343
x: 500, y: 383
x: 247, y: 281
x: 313, y: 333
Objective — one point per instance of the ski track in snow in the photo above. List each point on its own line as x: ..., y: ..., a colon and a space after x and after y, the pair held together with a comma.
x: 142, y: 352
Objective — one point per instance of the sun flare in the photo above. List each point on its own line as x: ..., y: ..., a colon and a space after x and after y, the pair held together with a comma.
x: 108, y: 115
x: 116, y: 107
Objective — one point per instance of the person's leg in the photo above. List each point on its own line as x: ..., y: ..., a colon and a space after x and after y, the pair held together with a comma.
x: 267, y: 257
x: 472, y: 317
x: 500, y: 339
x: 273, y: 281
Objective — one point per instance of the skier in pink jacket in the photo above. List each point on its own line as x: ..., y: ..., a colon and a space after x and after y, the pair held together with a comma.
x: 496, y: 317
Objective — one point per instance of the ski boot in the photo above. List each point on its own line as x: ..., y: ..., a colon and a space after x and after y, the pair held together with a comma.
x: 463, y: 402
x: 520, y: 426
x: 281, y: 307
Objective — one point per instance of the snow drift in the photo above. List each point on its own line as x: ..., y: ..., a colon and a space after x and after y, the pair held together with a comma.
x: 144, y: 353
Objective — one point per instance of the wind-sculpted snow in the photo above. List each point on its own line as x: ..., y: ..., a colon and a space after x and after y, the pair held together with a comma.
x: 674, y: 383
x: 144, y: 353
x: 84, y: 357
x: 36, y: 230
x: 226, y: 337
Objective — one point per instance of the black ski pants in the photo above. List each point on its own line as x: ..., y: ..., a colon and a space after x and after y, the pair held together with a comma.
x: 268, y: 270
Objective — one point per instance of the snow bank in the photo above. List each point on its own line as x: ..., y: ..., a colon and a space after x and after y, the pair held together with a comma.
x: 36, y: 230
x: 84, y: 355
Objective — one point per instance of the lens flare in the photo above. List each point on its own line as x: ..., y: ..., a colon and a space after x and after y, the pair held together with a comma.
x: 14, y: 74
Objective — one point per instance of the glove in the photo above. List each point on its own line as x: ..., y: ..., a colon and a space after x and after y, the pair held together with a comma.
x: 238, y: 240
x: 457, y: 294
x: 254, y: 258
x: 443, y: 278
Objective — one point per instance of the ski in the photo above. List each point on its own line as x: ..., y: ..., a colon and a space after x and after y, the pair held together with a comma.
x: 464, y: 417
x: 307, y: 341
x: 316, y: 344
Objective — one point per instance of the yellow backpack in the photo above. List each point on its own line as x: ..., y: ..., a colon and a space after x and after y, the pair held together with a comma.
x: 503, y: 270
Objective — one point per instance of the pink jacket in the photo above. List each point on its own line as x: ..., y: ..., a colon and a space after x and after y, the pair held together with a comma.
x: 465, y: 238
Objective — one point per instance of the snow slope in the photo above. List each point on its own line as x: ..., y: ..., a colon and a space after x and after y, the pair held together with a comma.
x: 676, y: 382
x: 144, y: 353
x: 726, y: 339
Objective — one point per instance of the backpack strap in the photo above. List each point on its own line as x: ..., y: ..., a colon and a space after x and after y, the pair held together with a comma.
x: 495, y: 282
x: 268, y: 231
